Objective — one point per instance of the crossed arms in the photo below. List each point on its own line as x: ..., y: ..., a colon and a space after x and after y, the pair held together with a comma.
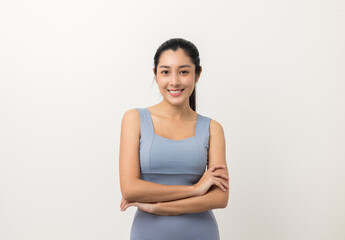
x: 169, y: 199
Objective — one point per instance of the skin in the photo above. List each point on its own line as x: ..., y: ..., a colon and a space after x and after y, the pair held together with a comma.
x: 174, y: 119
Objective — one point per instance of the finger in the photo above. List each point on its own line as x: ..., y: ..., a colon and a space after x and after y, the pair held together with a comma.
x: 214, y: 167
x: 211, y: 168
x: 221, y: 175
x: 132, y: 204
x: 124, y: 207
x: 220, y: 166
x: 220, y: 186
x: 225, y: 184
x: 124, y: 202
x: 127, y: 205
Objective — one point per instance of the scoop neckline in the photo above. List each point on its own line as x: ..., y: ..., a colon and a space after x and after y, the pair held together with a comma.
x: 180, y: 140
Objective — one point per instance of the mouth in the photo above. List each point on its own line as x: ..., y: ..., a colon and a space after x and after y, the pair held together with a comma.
x: 175, y: 90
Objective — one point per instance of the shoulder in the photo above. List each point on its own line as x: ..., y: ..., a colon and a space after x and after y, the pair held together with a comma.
x: 216, y: 129
x: 214, y: 126
x: 131, y: 119
x: 131, y: 114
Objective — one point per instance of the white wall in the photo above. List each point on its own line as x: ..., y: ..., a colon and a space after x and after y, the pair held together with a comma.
x: 273, y: 76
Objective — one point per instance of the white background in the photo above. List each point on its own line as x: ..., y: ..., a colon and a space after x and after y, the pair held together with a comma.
x: 273, y: 76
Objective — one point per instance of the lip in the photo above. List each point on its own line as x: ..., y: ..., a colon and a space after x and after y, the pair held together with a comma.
x: 175, y: 94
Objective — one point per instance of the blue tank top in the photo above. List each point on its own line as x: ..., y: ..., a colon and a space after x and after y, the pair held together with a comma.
x: 173, y: 162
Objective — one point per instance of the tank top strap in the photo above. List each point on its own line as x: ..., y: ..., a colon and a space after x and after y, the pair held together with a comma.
x: 146, y: 128
x: 146, y: 138
x: 202, y: 131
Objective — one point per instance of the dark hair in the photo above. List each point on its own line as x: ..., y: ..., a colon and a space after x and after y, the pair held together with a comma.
x: 190, y: 49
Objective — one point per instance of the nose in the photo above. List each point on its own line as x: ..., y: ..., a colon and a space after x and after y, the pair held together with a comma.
x: 175, y: 79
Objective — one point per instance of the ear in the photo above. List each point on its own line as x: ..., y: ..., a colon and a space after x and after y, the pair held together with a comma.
x: 153, y: 69
x: 198, y: 76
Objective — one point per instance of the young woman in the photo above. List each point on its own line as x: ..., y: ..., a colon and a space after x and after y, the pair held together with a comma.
x: 164, y: 150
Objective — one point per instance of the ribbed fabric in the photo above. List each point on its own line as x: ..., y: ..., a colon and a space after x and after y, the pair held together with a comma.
x: 173, y: 162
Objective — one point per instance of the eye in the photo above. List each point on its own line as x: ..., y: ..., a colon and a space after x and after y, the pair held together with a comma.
x: 163, y: 72
x: 184, y: 72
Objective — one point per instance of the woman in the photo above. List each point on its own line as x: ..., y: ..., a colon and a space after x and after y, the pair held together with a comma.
x: 164, y: 150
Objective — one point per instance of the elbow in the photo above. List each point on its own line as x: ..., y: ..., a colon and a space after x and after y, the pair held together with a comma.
x: 223, y: 204
x: 126, y: 196
x: 224, y: 200
x: 129, y: 188
x: 127, y: 193
x: 219, y: 198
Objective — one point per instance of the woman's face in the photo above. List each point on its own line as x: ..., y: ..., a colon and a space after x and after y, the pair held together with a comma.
x: 175, y: 71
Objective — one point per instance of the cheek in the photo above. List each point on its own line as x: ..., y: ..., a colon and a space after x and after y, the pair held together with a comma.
x: 190, y: 81
x: 163, y: 84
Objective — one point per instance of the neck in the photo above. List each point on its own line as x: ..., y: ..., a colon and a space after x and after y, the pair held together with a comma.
x: 177, y: 112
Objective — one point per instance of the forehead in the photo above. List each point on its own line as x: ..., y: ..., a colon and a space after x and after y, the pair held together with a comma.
x: 174, y: 58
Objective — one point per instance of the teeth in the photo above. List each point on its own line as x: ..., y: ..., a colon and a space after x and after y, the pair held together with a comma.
x: 175, y: 91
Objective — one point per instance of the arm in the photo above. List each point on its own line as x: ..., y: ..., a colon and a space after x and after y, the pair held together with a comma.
x: 132, y: 187
x: 144, y: 191
x: 215, y: 197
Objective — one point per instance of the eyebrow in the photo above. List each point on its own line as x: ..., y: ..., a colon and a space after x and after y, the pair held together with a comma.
x: 164, y: 66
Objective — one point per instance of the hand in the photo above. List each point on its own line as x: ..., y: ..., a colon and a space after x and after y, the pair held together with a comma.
x: 147, y: 207
x: 210, y: 178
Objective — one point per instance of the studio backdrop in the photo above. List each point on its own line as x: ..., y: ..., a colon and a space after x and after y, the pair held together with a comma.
x: 273, y: 76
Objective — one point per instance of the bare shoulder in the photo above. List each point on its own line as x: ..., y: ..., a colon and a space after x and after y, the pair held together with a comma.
x: 131, y: 121
x: 216, y: 129
x: 131, y: 114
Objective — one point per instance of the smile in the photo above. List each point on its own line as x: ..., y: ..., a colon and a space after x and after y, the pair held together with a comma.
x: 176, y: 92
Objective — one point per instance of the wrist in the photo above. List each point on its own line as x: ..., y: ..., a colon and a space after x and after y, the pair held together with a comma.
x: 163, y: 209
x: 157, y: 208
x: 194, y: 191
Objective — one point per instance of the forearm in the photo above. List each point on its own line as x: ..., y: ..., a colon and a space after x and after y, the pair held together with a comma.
x: 145, y: 191
x: 214, y: 198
